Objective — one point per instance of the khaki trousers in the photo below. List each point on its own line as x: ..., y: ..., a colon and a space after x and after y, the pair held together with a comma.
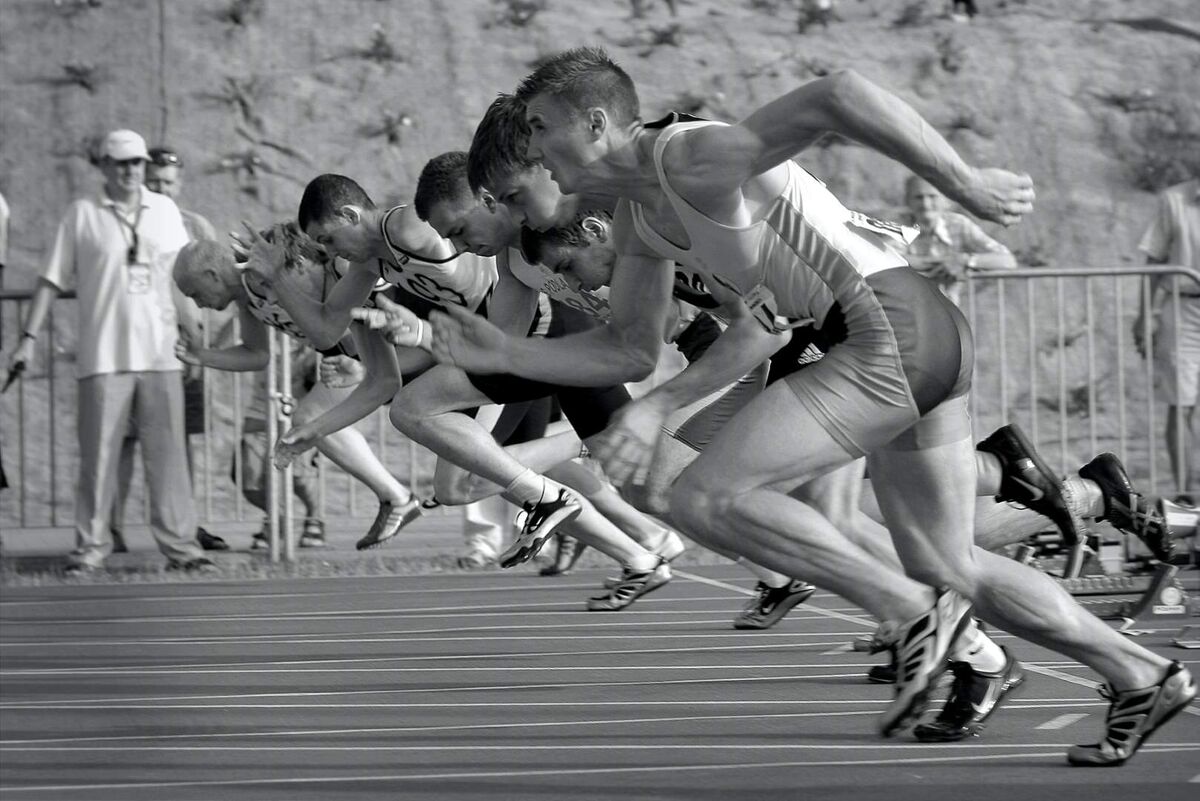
x: 151, y: 403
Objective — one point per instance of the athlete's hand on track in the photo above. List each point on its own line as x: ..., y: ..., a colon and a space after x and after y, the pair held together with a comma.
x: 468, y: 341
x: 292, y: 444
x: 626, y: 448
x: 998, y: 195
x: 399, y: 324
x: 340, y: 371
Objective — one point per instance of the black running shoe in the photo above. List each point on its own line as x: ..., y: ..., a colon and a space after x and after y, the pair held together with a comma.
x: 883, y: 674
x: 633, y: 585
x: 540, y: 521
x: 922, y: 645
x: 1126, y: 509
x: 568, y: 553
x: 974, y: 696
x: 1135, y: 715
x: 1029, y: 481
x: 771, y: 604
x: 388, y: 523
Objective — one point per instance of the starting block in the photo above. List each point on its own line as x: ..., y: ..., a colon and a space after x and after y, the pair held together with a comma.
x: 1157, y: 598
x: 1188, y: 637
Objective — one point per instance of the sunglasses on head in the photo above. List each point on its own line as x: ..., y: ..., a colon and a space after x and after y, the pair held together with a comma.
x: 165, y: 158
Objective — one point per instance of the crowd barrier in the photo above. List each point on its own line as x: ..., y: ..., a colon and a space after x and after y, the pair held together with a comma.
x: 1054, y: 353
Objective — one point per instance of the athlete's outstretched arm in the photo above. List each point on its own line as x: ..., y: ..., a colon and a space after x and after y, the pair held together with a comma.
x: 326, y: 321
x: 846, y: 103
x: 382, y: 382
x: 249, y: 356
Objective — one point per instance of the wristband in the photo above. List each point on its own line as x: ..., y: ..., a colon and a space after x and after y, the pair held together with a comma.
x: 25, y: 334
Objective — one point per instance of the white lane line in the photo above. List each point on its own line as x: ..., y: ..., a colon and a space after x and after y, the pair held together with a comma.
x: 566, y: 686
x: 474, y: 612
x: 1052, y: 752
x: 438, y: 669
x: 20, y: 745
x: 834, y: 613
x: 92, y: 670
x: 1028, y: 703
x: 10, y: 744
x: 1062, y: 721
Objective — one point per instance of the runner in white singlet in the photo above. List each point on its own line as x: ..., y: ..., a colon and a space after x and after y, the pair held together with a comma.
x: 894, y: 387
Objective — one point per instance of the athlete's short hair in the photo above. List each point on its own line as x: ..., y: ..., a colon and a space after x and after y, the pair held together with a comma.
x: 443, y: 178
x: 535, y: 243
x: 585, y: 77
x: 326, y: 194
x: 197, y: 256
x: 499, y: 147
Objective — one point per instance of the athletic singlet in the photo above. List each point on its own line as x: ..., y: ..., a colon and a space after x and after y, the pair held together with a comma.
x: 805, y: 253
x: 462, y: 280
x: 550, y: 283
x: 265, y: 307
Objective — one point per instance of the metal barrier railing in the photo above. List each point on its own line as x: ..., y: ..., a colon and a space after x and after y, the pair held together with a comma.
x: 1072, y: 384
x: 1057, y: 356
x: 37, y: 417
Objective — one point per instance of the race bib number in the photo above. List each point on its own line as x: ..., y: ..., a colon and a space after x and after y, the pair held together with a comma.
x: 139, y: 279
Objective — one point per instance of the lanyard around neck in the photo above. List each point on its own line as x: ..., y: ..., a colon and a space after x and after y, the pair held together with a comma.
x: 131, y: 254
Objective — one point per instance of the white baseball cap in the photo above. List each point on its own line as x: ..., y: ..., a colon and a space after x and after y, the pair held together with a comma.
x: 124, y: 145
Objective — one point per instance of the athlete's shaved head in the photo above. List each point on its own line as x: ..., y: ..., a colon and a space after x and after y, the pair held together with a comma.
x: 205, y: 271
x: 443, y: 178
x: 584, y: 78
x: 499, y: 147
x: 325, y: 196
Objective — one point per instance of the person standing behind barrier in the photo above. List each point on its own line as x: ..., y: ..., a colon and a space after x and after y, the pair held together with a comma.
x: 256, y: 453
x: 164, y: 174
x: 118, y: 248
x: 1174, y: 238
x: 950, y: 243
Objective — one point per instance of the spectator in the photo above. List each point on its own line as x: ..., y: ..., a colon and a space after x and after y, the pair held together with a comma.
x: 950, y: 243
x: 256, y: 454
x: 118, y: 248
x: 1174, y: 238
x: 164, y: 174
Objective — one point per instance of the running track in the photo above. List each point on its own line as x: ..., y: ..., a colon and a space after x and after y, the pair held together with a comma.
x: 497, y: 685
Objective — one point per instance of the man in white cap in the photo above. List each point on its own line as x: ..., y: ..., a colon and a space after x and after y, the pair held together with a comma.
x: 118, y: 249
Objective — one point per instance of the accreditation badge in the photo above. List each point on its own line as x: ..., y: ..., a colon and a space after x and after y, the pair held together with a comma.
x: 139, y: 282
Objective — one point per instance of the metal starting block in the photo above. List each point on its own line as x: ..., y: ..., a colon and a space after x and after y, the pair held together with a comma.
x: 1151, y: 599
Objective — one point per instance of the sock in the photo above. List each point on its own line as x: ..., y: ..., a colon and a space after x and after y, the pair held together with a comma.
x: 526, y: 488
x: 642, y: 563
x: 1083, y: 496
x: 978, y: 650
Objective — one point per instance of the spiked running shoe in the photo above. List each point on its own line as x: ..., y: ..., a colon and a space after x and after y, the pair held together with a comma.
x: 974, y: 696
x: 1134, y: 716
x: 1027, y: 480
x: 568, y: 553
x: 540, y: 521
x: 771, y: 604
x: 922, y: 645
x: 633, y: 585
x: 670, y: 547
x: 883, y: 674
x: 388, y: 523
x: 1125, y: 508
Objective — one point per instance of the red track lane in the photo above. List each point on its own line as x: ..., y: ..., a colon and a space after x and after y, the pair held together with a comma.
x: 499, y: 686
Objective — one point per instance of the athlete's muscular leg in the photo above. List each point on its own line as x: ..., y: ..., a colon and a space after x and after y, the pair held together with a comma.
x: 927, y: 497
x: 725, y: 498
x: 426, y: 412
x: 348, y: 448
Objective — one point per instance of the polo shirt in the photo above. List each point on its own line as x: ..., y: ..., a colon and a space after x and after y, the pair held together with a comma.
x: 125, y: 324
